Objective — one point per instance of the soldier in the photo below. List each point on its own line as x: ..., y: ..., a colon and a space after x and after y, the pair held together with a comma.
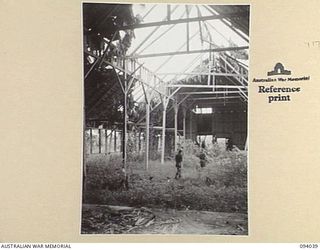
x: 229, y: 144
x: 203, y: 159
x: 178, y: 164
x: 214, y: 139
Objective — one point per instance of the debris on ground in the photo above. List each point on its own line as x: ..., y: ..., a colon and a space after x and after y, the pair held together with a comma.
x: 105, y: 219
x: 113, y: 219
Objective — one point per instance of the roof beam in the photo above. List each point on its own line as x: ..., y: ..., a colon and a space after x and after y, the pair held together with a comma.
x: 128, y: 72
x: 212, y: 103
x: 205, y: 86
x: 184, y: 20
x: 210, y: 92
x: 137, y: 78
x: 188, y: 52
x: 203, y: 73
x: 216, y: 98
x: 227, y: 24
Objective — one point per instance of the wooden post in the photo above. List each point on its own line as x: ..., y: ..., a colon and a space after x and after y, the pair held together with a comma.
x: 184, y: 125
x: 176, y: 109
x: 135, y: 141
x: 110, y: 140
x: 159, y: 143
x: 209, y: 73
x: 147, y: 134
x: 213, y: 67
x: 125, y: 114
x: 139, y: 145
x: 115, y: 140
x: 212, y: 122
x: 124, y: 133
x: 191, y: 136
x: 106, y: 141
x: 164, y: 114
x: 99, y: 141
x: 91, y: 141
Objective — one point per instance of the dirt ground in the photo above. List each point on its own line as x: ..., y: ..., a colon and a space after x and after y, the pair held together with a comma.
x: 102, y: 219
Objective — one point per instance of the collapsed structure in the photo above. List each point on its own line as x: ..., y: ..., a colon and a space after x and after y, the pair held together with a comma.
x: 158, y: 75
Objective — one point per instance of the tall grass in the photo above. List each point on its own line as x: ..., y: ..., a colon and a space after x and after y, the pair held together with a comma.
x: 220, y: 186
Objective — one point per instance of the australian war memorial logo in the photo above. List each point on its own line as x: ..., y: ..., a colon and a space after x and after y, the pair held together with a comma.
x: 280, y: 73
x: 279, y: 70
x: 280, y: 85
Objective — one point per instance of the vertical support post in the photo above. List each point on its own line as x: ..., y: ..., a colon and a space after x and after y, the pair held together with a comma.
x: 212, y: 122
x: 158, y: 143
x: 124, y: 133
x: 91, y: 146
x: 147, y: 133
x: 191, y: 136
x: 115, y: 140
x: 106, y: 141
x: 99, y: 141
x: 110, y: 142
x: 209, y: 73
x: 120, y: 142
x: 139, y: 145
x: 184, y: 125
x: 213, y: 68
x: 125, y: 110
x: 188, y: 28
x: 164, y: 114
x: 176, y: 108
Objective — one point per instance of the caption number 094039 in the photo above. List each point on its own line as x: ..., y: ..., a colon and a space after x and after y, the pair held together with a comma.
x: 314, y: 246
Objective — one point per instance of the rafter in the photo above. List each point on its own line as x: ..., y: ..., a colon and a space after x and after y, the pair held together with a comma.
x: 203, y: 73
x: 209, y: 92
x: 184, y: 20
x: 188, y: 52
x: 205, y: 86
x: 216, y: 98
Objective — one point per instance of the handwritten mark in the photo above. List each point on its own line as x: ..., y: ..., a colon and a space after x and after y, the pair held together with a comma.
x: 313, y: 44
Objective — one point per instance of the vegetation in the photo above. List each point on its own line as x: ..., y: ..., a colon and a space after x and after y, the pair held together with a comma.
x: 221, y: 186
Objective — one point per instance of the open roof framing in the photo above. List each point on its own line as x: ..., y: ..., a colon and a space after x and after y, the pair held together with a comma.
x: 184, y: 54
x: 226, y: 18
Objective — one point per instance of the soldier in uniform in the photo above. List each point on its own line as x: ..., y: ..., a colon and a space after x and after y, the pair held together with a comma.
x: 178, y: 164
x: 229, y: 145
x: 203, y: 159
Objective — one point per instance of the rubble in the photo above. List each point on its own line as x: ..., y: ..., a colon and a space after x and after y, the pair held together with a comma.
x: 105, y: 219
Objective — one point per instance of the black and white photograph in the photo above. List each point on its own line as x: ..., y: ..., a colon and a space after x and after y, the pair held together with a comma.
x: 165, y: 119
